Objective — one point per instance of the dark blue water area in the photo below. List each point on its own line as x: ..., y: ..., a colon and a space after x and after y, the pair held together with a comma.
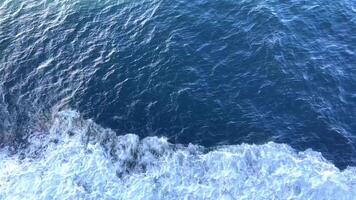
x: 207, y: 72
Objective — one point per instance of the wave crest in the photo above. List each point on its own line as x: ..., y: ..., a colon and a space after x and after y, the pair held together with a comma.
x: 80, y: 159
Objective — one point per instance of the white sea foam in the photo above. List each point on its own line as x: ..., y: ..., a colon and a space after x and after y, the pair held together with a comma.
x: 78, y: 159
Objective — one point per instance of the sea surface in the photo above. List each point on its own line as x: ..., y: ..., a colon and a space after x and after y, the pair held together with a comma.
x: 177, y: 99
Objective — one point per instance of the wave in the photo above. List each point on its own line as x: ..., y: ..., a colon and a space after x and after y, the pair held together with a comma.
x: 78, y: 159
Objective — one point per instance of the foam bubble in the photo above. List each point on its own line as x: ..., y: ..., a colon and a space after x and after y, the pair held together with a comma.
x: 78, y: 159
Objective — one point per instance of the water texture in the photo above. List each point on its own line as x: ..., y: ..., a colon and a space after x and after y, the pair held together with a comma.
x: 223, y: 77
x: 81, y: 160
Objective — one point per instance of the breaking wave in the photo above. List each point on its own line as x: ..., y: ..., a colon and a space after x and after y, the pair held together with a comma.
x: 78, y: 159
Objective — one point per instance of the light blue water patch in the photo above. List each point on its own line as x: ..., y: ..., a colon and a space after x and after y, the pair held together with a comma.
x: 77, y: 159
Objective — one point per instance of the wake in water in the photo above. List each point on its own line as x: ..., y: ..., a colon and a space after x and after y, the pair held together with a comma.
x: 78, y: 159
x: 206, y: 72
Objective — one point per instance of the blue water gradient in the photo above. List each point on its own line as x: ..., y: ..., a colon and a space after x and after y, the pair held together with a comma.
x: 208, y: 72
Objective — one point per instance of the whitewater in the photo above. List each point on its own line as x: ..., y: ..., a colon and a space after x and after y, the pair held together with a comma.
x: 164, y: 99
x: 78, y: 159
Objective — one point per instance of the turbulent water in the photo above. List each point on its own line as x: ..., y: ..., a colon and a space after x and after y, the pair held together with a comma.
x: 81, y: 160
x: 206, y: 99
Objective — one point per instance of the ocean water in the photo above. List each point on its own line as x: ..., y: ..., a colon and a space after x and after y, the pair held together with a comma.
x: 165, y: 99
x: 79, y: 159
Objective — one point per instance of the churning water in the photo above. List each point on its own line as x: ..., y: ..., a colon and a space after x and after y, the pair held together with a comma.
x: 166, y: 99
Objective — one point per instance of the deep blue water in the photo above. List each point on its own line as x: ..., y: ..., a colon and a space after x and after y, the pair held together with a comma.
x: 207, y: 72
